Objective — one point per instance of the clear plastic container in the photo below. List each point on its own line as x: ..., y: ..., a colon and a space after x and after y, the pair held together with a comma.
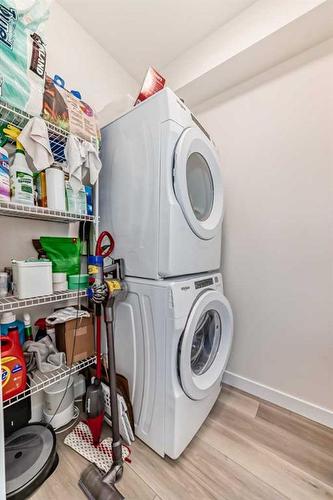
x: 3, y: 284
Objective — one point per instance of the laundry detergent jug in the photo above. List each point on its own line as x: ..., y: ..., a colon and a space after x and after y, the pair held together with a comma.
x: 13, y: 368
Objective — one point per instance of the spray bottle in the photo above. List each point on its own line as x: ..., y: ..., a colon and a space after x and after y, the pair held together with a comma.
x: 21, y: 177
x: 4, y: 168
x: 27, y: 326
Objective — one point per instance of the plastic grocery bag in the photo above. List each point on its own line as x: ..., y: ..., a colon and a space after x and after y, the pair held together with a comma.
x: 23, y: 53
x: 63, y: 252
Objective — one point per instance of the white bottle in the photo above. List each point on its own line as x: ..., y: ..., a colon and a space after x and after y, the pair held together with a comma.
x: 4, y: 175
x: 21, y: 179
x: 55, y: 188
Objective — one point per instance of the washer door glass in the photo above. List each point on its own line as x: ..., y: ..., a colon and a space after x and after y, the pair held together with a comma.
x: 206, y: 342
x: 198, y: 183
x: 200, y: 186
x: 205, y: 345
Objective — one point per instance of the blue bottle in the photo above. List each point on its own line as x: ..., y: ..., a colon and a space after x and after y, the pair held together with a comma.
x: 8, y: 320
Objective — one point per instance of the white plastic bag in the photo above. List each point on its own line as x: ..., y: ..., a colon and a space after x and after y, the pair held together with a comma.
x: 23, y: 53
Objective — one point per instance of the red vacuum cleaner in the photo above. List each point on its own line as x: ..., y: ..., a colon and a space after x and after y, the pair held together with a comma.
x: 94, y: 403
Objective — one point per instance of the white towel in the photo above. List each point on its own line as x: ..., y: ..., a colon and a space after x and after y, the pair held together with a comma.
x: 92, y: 164
x: 35, y: 140
x: 83, y: 162
x: 66, y: 314
x: 75, y: 159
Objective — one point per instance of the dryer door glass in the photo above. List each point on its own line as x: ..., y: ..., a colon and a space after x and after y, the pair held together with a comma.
x: 200, y: 186
x: 205, y: 345
x: 198, y: 183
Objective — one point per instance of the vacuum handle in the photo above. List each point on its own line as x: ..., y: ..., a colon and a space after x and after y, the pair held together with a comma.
x: 116, y: 441
x: 105, y: 249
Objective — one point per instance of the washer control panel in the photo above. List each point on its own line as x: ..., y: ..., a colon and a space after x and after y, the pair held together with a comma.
x: 203, y: 283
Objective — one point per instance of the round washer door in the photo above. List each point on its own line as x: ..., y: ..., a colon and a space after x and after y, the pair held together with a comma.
x: 198, y: 183
x: 206, y: 344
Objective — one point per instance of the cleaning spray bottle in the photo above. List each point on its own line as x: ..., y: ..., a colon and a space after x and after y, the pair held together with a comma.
x: 4, y: 168
x: 21, y: 177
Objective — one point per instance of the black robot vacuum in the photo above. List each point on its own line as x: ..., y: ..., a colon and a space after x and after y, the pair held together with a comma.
x: 31, y: 457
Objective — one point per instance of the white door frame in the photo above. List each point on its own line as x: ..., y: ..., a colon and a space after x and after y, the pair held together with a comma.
x: 198, y: 386
x: 192, y: 141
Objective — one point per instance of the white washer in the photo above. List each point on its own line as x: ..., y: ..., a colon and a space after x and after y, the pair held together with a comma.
x: 161, y: 190
x: 173, y: 340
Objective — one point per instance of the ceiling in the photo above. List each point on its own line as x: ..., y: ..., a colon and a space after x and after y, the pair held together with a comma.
x: 139, y: 33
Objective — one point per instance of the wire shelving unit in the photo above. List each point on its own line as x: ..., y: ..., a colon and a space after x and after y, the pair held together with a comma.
x: 10, y: 302
x: 58, y: 137
x: 39, y: 213
x: 19, y: 118
x: 39, y: 381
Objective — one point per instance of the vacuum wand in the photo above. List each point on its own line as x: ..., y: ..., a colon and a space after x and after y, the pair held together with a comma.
x: 92, y: 482
x: 116, y: 439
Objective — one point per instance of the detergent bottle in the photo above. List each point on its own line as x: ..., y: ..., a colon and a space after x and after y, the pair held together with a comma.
x: 4, y: 168
x: 21, y: 177
x: 13, y: 368
x: 7, y: 321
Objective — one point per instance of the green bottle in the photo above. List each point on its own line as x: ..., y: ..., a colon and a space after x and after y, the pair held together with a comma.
x: 27, y: 327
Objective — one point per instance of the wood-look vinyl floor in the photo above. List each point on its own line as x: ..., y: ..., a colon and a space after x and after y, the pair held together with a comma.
x: 247, y: 449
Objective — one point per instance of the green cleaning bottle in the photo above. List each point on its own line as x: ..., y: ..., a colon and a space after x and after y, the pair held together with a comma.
x: 21, y: 177
x: 27, y: 327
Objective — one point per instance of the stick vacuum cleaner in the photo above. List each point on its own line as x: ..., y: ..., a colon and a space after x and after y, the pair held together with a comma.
x: 94, y: 402
x: 93, y: 483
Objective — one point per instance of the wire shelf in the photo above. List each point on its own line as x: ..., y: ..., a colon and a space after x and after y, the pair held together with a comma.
x: 10, y: 303
x: 26, y: 212
x: 19, y: 118
x: 40, y: 381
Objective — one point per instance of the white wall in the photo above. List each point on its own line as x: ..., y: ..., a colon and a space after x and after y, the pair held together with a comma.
x: 83, y: 63
x: 277, y: 152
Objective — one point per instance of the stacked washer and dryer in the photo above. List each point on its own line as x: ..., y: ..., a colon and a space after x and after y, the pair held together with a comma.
x: 161, y: 197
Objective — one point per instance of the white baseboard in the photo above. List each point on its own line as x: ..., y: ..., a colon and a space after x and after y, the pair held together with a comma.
x: 292, y: 403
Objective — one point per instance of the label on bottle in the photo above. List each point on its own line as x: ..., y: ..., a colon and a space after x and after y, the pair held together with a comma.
x: 28, y: 332
x: 22, y: 187
x: 4, y: 178
x: 12, y: 377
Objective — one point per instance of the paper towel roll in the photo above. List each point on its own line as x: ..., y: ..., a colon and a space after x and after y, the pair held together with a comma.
x: 55, y: 188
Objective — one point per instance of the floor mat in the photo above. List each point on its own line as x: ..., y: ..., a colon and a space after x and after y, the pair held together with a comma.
x: 80, y: 440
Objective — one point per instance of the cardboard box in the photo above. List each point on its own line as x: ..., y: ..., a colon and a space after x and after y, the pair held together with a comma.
x: 84, y: 339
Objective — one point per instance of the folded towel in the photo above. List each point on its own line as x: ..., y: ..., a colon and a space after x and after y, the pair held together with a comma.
x: 83, y: 162
x: 35, y: 140
x: 66, y: 314
x: 47, y: 357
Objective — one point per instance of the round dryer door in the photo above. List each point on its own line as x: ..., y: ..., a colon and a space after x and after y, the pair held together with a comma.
x: 206, y: 344
x: 198, y: 183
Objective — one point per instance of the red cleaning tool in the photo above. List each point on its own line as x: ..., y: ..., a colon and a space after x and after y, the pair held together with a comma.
x: 94, y: 405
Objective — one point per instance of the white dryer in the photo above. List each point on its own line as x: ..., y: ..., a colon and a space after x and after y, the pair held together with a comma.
x: 161, y: 190
x: 173, y: 340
